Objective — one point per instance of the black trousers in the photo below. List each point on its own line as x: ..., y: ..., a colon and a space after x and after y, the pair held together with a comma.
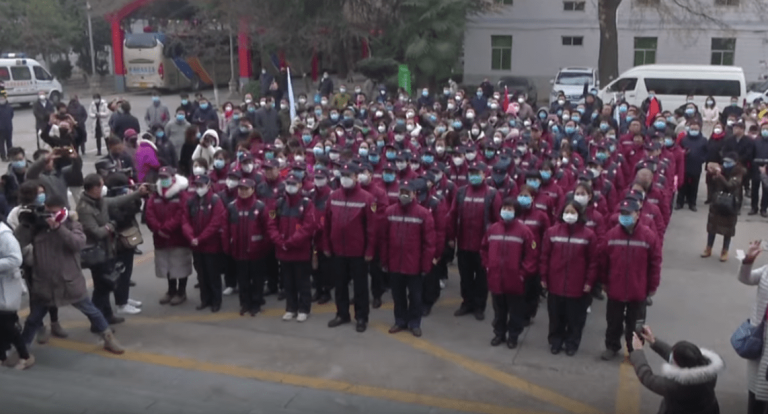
x: 406, y: 294
x: 230, y: 272
x: 53, y: 311
x: 353, y: 269
x: 98, y: 136
x: 208, y: 268
x: 124, y: 265
x: 322, y: 276
x: 756, y: 202
x: 10, y: 334
x: 102, y: 289
x: 6, y: 142
x: 567, y: 317
x: 689, y: 190
x: 508, y: 315
x: 272, y: 269
x: 474, y: 282
x: 622, y: 317
x: 532, y: 296
x: 449, y: 253
x: 379, y: 279
x: 297, y: 285
x: 431, y: 287
x: 250, y: 278
x: 755, y: 406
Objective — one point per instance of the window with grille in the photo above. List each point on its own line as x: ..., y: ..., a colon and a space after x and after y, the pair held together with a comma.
x: 723, y: 51
x: 574, y: 5
x: 573, y: 40
x: 501, y: 52
x: 645, y: 50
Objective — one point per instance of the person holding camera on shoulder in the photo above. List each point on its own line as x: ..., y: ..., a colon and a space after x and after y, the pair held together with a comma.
x: 57, y: 170
x: 56, y: 272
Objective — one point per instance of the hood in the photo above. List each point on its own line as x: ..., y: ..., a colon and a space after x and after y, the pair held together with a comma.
x: 213, y: 134
x: 180, y: 184
x: 147, y: 143
x: 697, y: 375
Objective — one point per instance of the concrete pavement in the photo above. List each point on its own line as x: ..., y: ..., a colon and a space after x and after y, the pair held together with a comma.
x: 181, y: 360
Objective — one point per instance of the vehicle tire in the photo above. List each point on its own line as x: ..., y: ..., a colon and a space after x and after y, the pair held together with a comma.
x: 55, y: 97
x: 25, y: 105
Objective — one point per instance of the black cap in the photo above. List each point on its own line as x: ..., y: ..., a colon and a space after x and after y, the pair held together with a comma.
x: 234, y: 174
x: 478, y: 166
x: 246, y: 182
x: 419, y: 184
x: 270, y: 164
x: 166, y: 172
x: 246, y: 157
x: 533, y: 174
x: 629, y: 205
x: 349, y: 168
x: 407, y: 185
x: 321, y: 171
x: 202, y: 179
x: 365, y: 166
x: 292, y: 178
x: 389, y: 167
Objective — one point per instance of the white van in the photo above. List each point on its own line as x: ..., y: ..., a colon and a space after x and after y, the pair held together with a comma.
x: 673, y: 83
x: 24, y: 78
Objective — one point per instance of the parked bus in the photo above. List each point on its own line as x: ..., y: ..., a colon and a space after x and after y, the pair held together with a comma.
x: 158, y: 61
x: 23, y: 78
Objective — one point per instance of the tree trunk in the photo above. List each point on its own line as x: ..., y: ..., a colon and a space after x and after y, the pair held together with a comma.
x: 608, y: 61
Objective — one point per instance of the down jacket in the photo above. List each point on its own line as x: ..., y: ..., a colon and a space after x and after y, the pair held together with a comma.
x: 509, y: 252
x: 568, y: 259
x: 246, y: 234
x: 204, y: 218
x: 631, y: 262
x: 295, y: 224
x: 473, y: 211
x: 408, y: 239
x: 165, y: 214
x: 10, y: 274
x: 350, y: 223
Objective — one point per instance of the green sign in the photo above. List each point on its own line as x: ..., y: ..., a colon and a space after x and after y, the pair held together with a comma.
x: 404, y: 78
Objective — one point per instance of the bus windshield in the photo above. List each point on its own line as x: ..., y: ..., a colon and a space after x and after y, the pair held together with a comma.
x: 140, y: 41
x: 574, y: 78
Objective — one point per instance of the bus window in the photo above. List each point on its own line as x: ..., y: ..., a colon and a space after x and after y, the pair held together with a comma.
x: 5, y: 75
x: 140, y: 41
x: 21, y: 73
x: 623, y: 85
x: 41, y: 74
x: 699, y: 87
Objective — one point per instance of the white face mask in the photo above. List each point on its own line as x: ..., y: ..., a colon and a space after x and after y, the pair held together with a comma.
x: 458, y: 161
x: 409, y: 127
x: 298, y: 158
x: 409, y: 115
x: 497, y: 140
x: 470, y: 115
x: 41, y: 97
x: 281, y: 162
x: 321, y: 182
x: 730, y: 122
x: 247, y: 168
x: 717, y: 130
x: 494, y: 106
x: 565, y: 160
x: 450, y: 106
x: 401, y: 165
x: 595, y: 172
x: 471, y: 156
x: 333, y: 156
x: 440, y: 150
x: 475, y: 132
x: 364, y: 179
x: 566, y: 117
x: 283, y: 106
x: 520, y: 100
x: 399, y: 137
x: 382, y: 128
x: 291, y: 189
x: 311, y: 122
x: 103, y: 190
x: 347, y: 182
x: 581, y: 199
x: 415, y: 166
x: 570, y: 218
x: 379, y: 114
x: 198, y: 170
x: 231, y: 184
x: 201, y: 191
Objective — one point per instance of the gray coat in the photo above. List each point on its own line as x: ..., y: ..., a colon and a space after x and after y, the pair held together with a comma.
x: 756, y: 368
x: 57, y: 277
x: 685, y: 390
x: 157, y: 116
x: 94, y: 217
x: 268, y: 124
x: 57, y: 181
x: 10, y: 274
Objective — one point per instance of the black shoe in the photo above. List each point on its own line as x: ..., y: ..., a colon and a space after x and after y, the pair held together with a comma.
x: 497, y: 340
x: 752, y: 213
x: 511, y: 343
x: 255, y: 311
x: 707, y: 201
x: 137, y: 252
x: 649, y: 301
x: 479, y: 315
x: 527, y: 322
x: 693, y: 208
x: 317, y: 295
x: 325, y: 298
x: 98, y: 154
x: 361, y: 326
x: 268, y: 292
x: 115, y: 320
x: 197, y: 286
x: 376, y: 304
x: 281, y: 295
x: 608, y: 355
x: 764, y: 214
x: 598, y: 294
x: 570, y: 351
x: 215, y: 308
x: 426, y: 311
x: 416, y: 332
x: 202, y: 306
x: 463, y: 310
x: 132, y: 283
x: 243, y: 311
x: 337, y: 321
x: 555, y: 349
x: 679, y: 207
x: 396, y: 328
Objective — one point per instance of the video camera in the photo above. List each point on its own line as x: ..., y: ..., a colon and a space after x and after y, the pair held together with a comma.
x: 34, y: 216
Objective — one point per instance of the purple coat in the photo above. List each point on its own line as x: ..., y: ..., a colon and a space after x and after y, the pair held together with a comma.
x: 146, y: 161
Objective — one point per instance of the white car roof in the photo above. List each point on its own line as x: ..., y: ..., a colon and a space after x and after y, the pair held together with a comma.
x: 577, y: 69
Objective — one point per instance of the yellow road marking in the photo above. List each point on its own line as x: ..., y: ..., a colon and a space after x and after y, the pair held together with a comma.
x: 295, y: 380
x: 493, y: 374
x: 628, y: 390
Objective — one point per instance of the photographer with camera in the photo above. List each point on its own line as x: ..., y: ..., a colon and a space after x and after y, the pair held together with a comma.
x: 57, y: 170
x: 93, y: 212
x: 57, y: 277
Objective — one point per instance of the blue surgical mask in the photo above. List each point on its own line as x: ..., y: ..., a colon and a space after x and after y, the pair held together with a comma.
x: 763, y: 133
x: 219, y: 164
x: 433, y: 117
x: 236, y: 117
x: 728, y: 164
x: 335, y: 117
x: 490, y: 154
x: 626, y: 220
x: 456, y: 124
x: 155, y: 99
x: 507, y: 215
x: 425, y: 93
x: 601, y: 156
x: 388, y: 177
x: 184, y: 101
x: 269, y: 155
x: 660, y: 124
x: 533, y: 183
x: 19, y: 164
x: 317, y: 151
x: 299, y: 174
x: 428, y: 159
x: 380, y: 144
x: 251, y: 109
x: 630, y: 118
x: 576, y: 118
x: 604, y: 127
x: 160, y: 133
x: 668, y: 142
x: 570, y: 130
x: 400, y: 121
x: 40, y: 200
x: 363, y: 152
x: 689, y: 111
x: 622, y: 109
x: 671, y: 119
x: 545, y: 175
x: 524, y: 200
x: 327, y: 149
x: 306, y: 138
x: 479, y: 94
x: 374, y: 158
x: 240, y: 154
x: 440, y: 129
x: 475, y: 179
x: 318, y: 113
x: 555, y: 129
x: 166, y: 182
x: 203, y: 106
x: 694, y: 132
x: 244, y: 129
x: 391, y: 155
x: 594, y: 115
x: 180, y: 117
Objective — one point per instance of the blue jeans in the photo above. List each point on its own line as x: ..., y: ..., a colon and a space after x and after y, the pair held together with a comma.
x: 37, y: 312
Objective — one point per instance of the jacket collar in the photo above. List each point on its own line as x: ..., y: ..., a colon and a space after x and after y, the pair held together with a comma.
x: 180, y: 183
x: 697, y: 375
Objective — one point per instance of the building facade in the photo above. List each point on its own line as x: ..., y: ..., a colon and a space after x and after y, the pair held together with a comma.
x: 535, y: 38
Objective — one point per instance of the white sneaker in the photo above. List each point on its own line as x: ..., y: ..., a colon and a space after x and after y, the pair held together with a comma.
x: 228, y: 291
x: 589, y: 309
x: 134, y: 303
x: 128, y: 310
x: 442, y: 284
x: 288, y: 316
x: 24, y: 289
x: 302, y: 317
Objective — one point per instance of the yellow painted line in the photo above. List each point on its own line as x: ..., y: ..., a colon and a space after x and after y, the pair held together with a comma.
x: 295, y: 380
x: 628, y: 391
x: 493, y: 374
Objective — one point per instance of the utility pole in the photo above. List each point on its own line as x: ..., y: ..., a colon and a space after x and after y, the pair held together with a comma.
x: 90, y: 39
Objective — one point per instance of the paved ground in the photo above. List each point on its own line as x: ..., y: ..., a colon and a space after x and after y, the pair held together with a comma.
x: 184, y: 361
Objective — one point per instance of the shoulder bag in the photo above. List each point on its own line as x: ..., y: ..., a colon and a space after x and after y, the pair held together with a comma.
x: 747, y: 341
x: 725, y: 203
x: 93, y: 256
x: 129, y: 238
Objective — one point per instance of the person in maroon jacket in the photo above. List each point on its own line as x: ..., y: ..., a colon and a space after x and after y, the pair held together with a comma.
x: 407, y: 253
x: 568, y: 268
x: 390, y: 182
x: 474, y: 209
x: 509, y: 253
x: 321, y: 263
x: 379, y: 278
x: 295, y: 224
x: 350, y: 239
x: 458, y: 168
x: 246, y: 240
x: 204, y: 216
x: 173, y: 258
x: 537, y: 221
x: 437, y: 208
x: 228, y: 195
x: 654, y: 194
x: 219, y: 170
x: 631, y: 266
x: 267, y: 192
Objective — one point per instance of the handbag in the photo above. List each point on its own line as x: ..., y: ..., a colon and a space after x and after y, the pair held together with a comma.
x: 747, y: 341
x: 92, y: 256
x: 725, y: 203
x: 129, y: 238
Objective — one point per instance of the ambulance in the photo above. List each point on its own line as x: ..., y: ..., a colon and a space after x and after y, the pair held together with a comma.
x: 23, y: 78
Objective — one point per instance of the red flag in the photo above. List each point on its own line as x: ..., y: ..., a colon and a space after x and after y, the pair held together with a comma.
x: 653, y: 110
x: 506, y: 99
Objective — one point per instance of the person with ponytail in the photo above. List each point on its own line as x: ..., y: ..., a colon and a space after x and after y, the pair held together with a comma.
x: 688, y: 375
